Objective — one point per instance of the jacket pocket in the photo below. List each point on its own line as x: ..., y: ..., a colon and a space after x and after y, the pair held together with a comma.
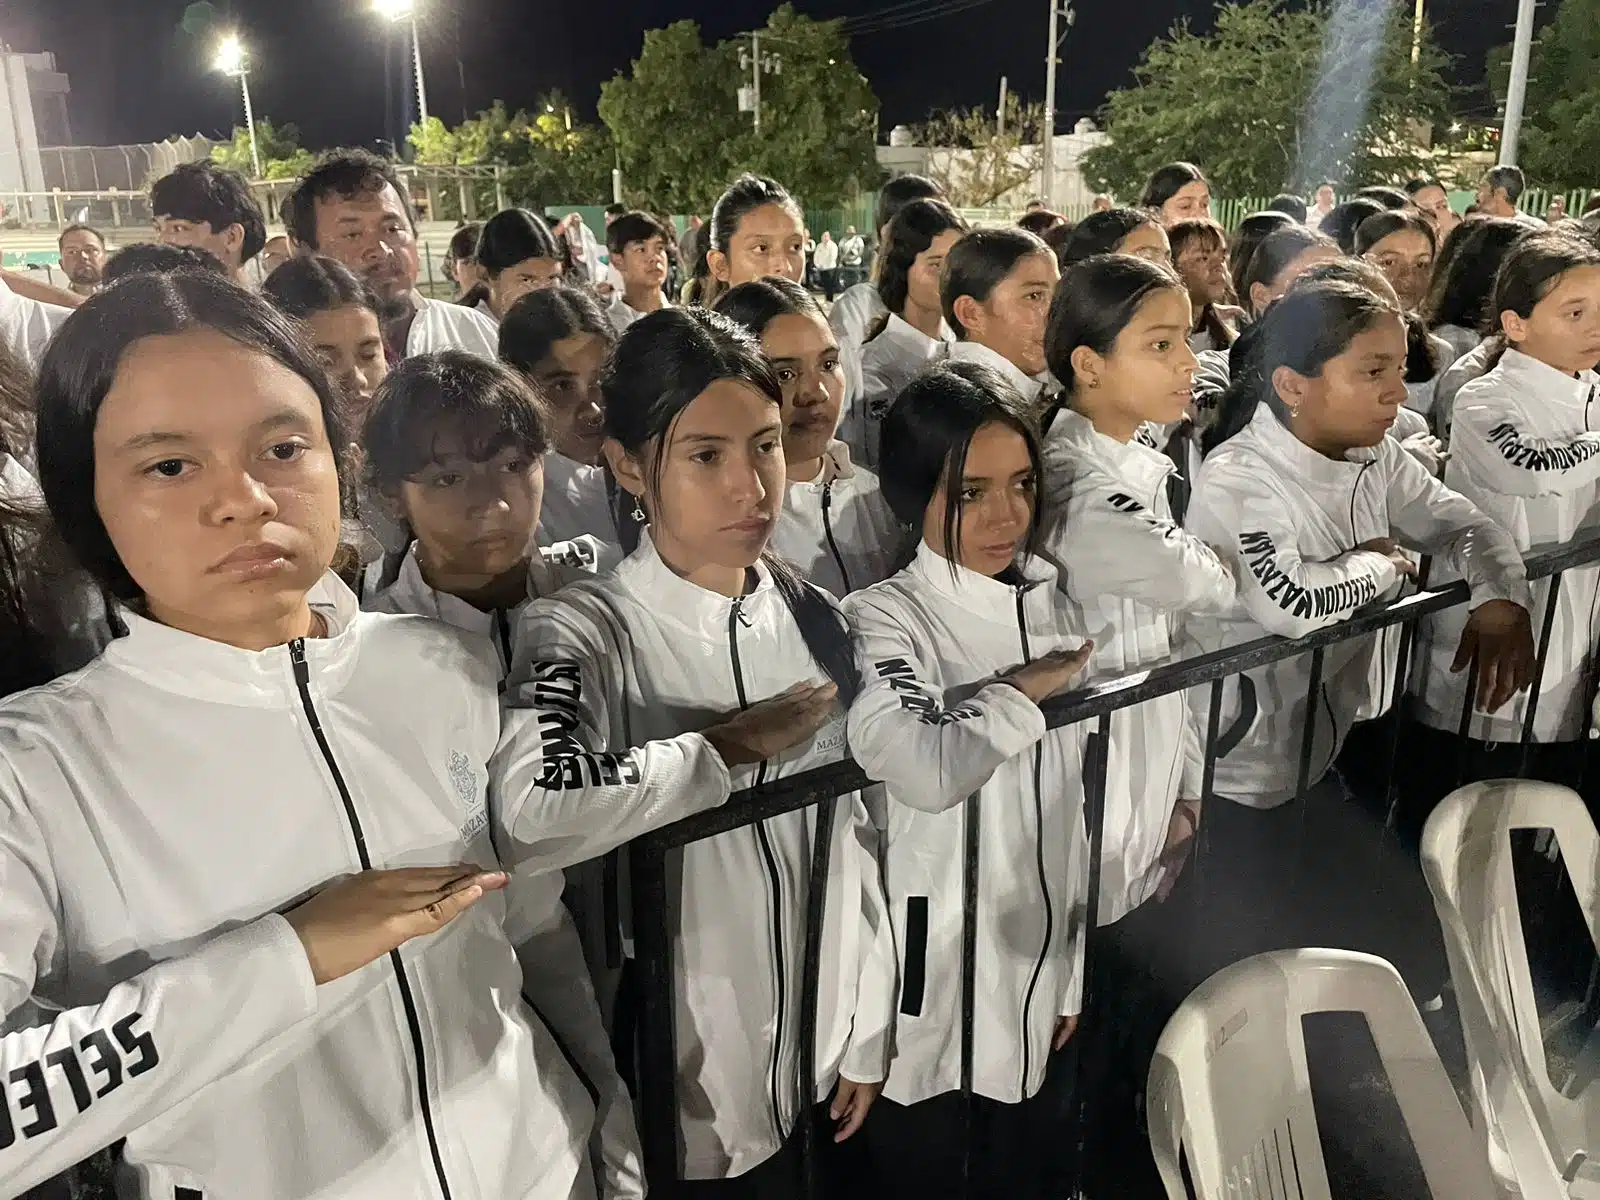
x: 915, y: 976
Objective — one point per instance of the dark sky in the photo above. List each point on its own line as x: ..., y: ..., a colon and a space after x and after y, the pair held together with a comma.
x: 136, y: 76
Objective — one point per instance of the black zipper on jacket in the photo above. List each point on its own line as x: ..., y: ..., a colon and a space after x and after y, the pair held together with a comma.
x: 502, y: 627
x: 302, y: 682
x: 1383, y: 635
x: 827, y: 532
x: 764, y: 845
x: 1044, y: 882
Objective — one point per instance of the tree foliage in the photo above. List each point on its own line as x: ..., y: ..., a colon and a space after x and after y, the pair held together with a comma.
x: 1561, y: 123
x: 282, y: 156
x: 681, y: 138
x: 545, y: 162
x: 1277, y: 97
x: 973, y: 161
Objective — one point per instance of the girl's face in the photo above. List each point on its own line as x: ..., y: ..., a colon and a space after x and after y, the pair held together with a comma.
x: 1012, y: 320
x: 1262, y: 294
x: 1564, y: 328
x: 349, y: 342
x: 467, y: 274
x: 474, y: 521
x: 569, y: 378
x: 996, y: 503
x: 1203, y: 263
x: 1406, y: 259
x: 770, y: 240
x: 218, y: 487
x: 1149, y: 371
x: 714, y: 493
x: 1353, y: 402
x: 1190, y: 201
x: 1148, y: 242
x: 805, y: 355
x: 529, y: 275
x: 922, y: 281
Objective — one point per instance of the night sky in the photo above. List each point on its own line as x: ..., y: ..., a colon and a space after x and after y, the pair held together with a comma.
x: 137, y: 76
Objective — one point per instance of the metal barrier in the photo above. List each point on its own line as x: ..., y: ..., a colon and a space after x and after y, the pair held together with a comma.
x: 652, y: 904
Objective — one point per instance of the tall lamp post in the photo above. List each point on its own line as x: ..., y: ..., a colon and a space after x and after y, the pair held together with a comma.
x: 233, y: 60
x: 396, y: 11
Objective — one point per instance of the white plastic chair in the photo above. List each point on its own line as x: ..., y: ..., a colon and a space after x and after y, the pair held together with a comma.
x: 1536, y: 1136
x: 1229, y: 1084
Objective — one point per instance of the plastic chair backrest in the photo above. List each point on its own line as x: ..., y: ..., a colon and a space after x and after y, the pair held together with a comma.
x: 1466, y: 857
x: 1229, y: 1084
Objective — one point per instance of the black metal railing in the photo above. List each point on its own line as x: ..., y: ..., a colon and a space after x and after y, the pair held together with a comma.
x: 652, y: 906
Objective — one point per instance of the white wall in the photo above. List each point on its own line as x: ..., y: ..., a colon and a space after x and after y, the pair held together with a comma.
x: 20, y: 168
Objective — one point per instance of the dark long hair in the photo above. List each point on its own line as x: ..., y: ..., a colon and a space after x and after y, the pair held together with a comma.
x: 1103, y: 232
x: 927, y: 432
x: 1273, y: 256
x: 513, y: 236
x: 756, y: 304
x: 1166, y: 182
x: 541, y: 318
x: 911, y: 233
x: 1310, y: 326
x: 311, y: 284
x: 1341, y: 224
x: 24, y: 530
x: 81, y: 365
x: 978, y: 263
x: 1094, y: 303
x: 1465, y: 270
x: 662, y: 363
x: 1252, y: 231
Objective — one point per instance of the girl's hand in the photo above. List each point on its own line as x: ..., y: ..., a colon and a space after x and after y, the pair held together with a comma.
x: 1404, y: 565
x: 851, y: 1100
x: 1181, y: 831
x: 1500, y: 633
x: 1065, y: 1028
x: 1049, y: 674
x: 362, y: 917
x: 773, y: 726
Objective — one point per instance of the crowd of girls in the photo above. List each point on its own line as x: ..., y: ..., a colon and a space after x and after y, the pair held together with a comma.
x: 304, y: 873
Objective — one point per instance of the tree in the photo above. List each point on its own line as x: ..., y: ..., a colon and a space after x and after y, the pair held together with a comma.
x: 1277, y: 97
x: 1561, y: 121
x: 282, y: 156
x: 973, y: 161
x: 681, y: 138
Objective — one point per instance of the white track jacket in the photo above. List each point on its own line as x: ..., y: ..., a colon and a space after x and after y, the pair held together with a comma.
x: 1294, y: 517
x: 954, y: 746
x: 1525, y: 448
x: 153, y: 807
x: 642, y: 653
x: 837, y: 529
x: 1131, y: 573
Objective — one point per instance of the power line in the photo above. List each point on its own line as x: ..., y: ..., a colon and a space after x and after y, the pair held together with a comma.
x: 901, y: 16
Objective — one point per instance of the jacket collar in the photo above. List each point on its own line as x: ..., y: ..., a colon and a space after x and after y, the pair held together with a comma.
x: 979, y: 594
x: 1131, y: 461
x: 1029, y: 385
x: 197, y: 667
x: 704, y: 614
x: 836, y: 465
x: 1299, y: 460
x: 904, y: 339
x: 549, y: 567
x: 1538, y: 383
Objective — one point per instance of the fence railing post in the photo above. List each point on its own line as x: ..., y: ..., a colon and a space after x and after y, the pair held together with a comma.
x: 658, y: 1066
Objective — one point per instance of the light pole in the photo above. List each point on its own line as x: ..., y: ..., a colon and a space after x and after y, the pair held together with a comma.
x: 233, y: 60
x: 396, y: 11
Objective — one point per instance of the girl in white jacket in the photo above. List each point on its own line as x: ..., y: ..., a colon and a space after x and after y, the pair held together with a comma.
x: 188, y: 449
x: 1525, y: 447
x: 1303, y: 488
x: 995, y: 292
x: 456, y: 444
x: 559, y: 338
x: 699, y: 621
x: 956, y: 652
x: 835, y: 527
x: 912, y: 331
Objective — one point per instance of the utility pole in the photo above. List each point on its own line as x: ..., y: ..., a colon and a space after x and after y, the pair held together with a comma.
x: 1000, y: 113
x: 757, y: 64
x: 1416, y: 35
x: 1059, y: 11
x: 1517, y: 93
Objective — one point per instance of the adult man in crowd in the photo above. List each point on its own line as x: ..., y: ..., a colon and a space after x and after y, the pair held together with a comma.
x: 83, y: 258
x: 851, y: 253
x: 1499, y: 192
x: 1430, y: 199
x: 352, y: 207
x: 827, y: 263
x: 209, y: 207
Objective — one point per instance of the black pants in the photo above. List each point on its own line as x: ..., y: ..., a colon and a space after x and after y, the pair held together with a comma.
x: 1018, y: 1151
x: 830, y: 282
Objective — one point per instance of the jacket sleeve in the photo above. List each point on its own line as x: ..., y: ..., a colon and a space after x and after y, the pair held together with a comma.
x: 931, y: 756
x: 556, y: 982
x: 1489, y: 438
x: 1110, y: 544
x: 1282, y: 592
x: 559, y: 790
x: 92, y: 1074
x: 866, y: 1054
x: 1427, y: 514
